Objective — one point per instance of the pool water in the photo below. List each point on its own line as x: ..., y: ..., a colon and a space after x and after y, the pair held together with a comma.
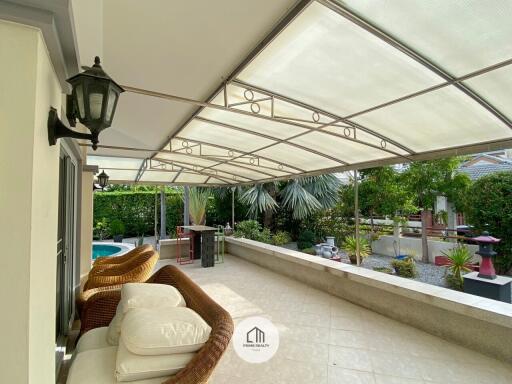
x: 104, y: 250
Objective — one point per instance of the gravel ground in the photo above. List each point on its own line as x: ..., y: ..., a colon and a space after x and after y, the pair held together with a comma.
x: 427, y: 273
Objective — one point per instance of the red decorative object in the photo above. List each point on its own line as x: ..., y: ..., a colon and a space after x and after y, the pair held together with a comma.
x: 485, y: 244
x: 441, y: 260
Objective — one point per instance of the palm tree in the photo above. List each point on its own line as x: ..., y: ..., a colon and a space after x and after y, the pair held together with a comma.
x: 302, y: 196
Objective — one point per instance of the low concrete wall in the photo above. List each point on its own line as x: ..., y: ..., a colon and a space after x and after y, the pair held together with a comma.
x: 168, y: 248
x: 478, y: 323
x: 384, y: 246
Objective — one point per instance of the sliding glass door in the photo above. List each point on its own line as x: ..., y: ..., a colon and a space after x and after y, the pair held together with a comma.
x: 66, y: 235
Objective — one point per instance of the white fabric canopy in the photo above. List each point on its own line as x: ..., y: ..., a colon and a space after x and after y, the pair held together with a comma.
x: 339, y: 87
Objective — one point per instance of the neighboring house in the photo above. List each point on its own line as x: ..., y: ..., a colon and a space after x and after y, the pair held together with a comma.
x: 486, y: 164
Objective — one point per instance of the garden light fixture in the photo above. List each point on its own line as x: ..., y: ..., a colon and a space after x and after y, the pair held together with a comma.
x: 93, y: 101
x: 103, y: 180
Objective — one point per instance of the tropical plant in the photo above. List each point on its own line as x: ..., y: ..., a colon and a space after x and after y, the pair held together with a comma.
x: 350, y: 246
x: 306, y: 239
x: 198, y: 199
x: 405, y: 267
x: 301, y: 196
x: 281, y: 238
x: 117, y: 228
x: 459, y: 261
x: 490, y: 209
x: 387, y: 270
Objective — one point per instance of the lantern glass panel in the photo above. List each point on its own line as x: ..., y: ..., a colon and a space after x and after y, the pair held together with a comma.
x: 112, y: 97
x: 79, y: 91
x: 95, y: 104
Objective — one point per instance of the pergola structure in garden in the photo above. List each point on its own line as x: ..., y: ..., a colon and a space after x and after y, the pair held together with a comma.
x: 334, y: 86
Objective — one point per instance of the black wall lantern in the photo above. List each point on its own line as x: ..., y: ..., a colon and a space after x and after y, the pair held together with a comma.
x: 93, y: 101
x: 102, y: 181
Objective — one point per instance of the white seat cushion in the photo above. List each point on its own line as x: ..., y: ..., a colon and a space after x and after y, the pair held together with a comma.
x: 98, y: 366
x: 142, y: 295
x: 163, y: 331
x: 130, y: 367
x: 93, y: 339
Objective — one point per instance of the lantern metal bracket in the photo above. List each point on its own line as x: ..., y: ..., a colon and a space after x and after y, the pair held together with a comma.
x: 57, y: 130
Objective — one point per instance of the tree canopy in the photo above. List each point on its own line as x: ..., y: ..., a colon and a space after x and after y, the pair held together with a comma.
x: 489, y: 209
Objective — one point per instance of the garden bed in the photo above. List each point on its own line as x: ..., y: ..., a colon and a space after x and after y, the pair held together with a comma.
x: 427, y: 273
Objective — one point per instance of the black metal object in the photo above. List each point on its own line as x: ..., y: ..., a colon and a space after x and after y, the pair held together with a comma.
x: 103, y: 180
x: 93, y: 102
x: 208, y: 249
x: 204, y: 248
x: 491, y: 289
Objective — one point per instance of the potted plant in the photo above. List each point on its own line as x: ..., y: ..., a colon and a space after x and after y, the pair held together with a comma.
x: 459, y: 261
x: 117, y: 229
x: 405, y: 267
x: 350, y: 244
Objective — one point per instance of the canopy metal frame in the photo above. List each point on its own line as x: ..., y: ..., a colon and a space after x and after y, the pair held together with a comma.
x: 320, y: 119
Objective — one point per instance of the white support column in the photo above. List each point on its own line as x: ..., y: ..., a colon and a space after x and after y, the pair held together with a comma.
x: 29, y: 195
x: 233, y: 208
x: 356, y: 216
x: 163, y: 215
x: 186, y: 205
x: 86, y: 227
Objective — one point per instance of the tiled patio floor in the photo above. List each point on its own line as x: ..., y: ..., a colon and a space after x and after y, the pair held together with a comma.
x: 324, y: 339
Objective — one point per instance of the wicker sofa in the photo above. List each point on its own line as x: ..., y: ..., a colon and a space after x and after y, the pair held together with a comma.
x: 136, y: 268
x: 101, y: 307
x: 108, y: 260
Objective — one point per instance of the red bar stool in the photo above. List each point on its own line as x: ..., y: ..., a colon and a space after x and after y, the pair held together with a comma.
x: 182, y: 235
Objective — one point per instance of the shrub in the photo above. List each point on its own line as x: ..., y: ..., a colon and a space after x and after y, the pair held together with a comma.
x: 459, y: 261
x: 248, y: 229
x: 281, y: 238
x: 309, y: 251
x: 101, y: 230
x: 349, y: 245
x: 306, y: 239
x: 251, y: 229
x: 405, y: 268
x: 265, y: 236
x: 489, y: 209
x: 117, y: 227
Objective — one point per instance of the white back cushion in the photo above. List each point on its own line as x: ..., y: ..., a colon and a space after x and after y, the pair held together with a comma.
x: 130, y: 367
x: 163, y: 331
x: 142, y: 295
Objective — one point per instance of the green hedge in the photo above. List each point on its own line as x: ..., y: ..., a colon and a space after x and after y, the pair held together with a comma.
x: 137, y: 210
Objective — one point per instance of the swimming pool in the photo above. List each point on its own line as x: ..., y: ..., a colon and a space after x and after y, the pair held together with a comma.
x: 105, y: 250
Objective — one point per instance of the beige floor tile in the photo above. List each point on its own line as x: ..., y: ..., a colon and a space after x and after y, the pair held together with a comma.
x: 384, y: 379
x: 344, y: 338
x: 350, y: 358
x: 308, y: 320
x: 338, y: 375
x: 305, y: 352
x: 392, y: 364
